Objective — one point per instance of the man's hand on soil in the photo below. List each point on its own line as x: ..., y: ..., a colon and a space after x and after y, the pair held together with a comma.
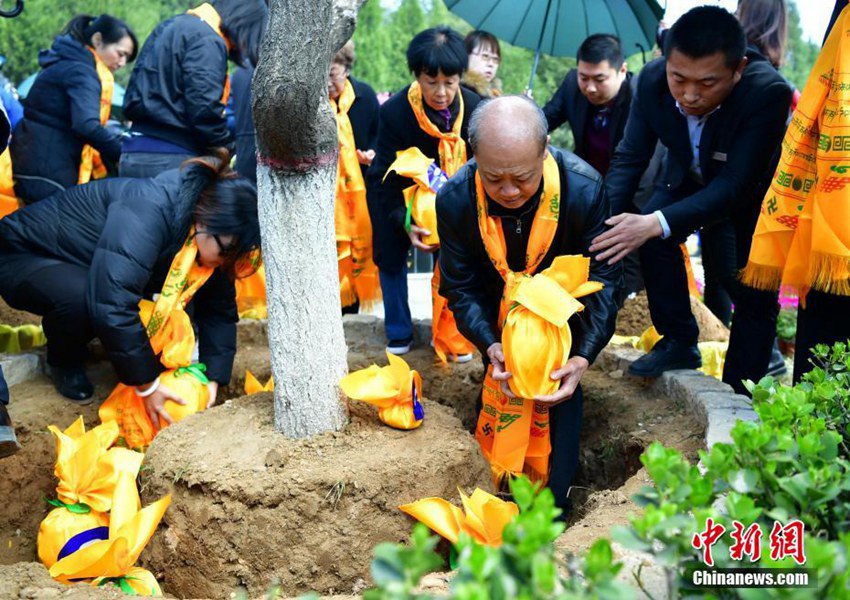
x: 500, y: 374
x: 570, y: 375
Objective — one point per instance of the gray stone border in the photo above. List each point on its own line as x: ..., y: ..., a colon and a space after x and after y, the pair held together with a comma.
x: 18, y: 368
x: 713, y: 403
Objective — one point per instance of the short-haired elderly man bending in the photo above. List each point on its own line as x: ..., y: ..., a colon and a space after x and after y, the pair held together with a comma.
x: 516, y: 183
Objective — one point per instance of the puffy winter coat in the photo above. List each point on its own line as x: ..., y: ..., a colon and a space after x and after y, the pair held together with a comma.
x: 127, y: 231
x: 61, y: 115
x: 175, y: 91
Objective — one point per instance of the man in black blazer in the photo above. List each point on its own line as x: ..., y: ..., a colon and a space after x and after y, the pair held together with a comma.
x: 594, y: 99
x: 721, y: 119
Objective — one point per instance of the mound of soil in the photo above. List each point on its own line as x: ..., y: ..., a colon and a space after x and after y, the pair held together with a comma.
x: 31, y: 580
x: 634, y: 319
x: 10, y: 316
x: 250, y: 507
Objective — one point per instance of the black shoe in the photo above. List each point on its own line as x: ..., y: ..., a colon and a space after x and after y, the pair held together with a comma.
x: 72, y: 383
x: 777, y: 367
x: 8, y: 442
x: 668, y: 354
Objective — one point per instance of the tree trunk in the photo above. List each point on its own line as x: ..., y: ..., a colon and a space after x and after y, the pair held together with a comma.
x: 296, y: 175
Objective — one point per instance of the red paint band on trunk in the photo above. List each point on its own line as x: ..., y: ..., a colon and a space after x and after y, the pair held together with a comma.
x: 298, y: 165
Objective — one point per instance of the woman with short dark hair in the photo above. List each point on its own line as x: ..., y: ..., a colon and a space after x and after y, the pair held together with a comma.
x: 84, y: 258
x: 63, y: 139
x: 179, y: 88
x: 430, y: 114
x: 485, y: 56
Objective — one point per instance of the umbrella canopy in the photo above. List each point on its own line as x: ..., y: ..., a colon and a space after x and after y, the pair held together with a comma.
x: 558, y: 27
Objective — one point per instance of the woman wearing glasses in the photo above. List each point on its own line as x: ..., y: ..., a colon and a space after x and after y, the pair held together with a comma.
x: 85, y: 257
x: 485, y: 56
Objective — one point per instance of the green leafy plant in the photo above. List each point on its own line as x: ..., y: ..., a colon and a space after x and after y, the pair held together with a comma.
x: 525, y: 566
x: 793, y: 463
x: 786, y: 325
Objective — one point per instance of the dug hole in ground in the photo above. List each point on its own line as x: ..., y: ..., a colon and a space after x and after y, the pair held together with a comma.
x: 251, y: 508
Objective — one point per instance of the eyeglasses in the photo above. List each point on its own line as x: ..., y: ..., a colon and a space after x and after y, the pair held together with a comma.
x: 488, y: 58
x: 225, y: 250
x: 338, y: 74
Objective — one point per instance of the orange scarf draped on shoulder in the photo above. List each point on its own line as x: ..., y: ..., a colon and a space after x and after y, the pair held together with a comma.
x: 445, y: 336
x: 514, y: 432
x: 91, y: 165
x: 802, y: 238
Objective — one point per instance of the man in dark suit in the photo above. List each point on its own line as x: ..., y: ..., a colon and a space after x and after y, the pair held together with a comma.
x: 721, y: 119
x: 594, y: 99
x: 509, y: 142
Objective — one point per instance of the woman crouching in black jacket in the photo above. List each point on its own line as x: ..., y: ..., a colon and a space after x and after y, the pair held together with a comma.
x: 84, y: 258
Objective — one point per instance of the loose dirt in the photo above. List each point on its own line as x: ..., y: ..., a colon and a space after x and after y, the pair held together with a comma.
x: 10, y: 316
x: 634, y: 319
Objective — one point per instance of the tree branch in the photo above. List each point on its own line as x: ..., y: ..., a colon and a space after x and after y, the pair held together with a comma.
x: 296, y: 130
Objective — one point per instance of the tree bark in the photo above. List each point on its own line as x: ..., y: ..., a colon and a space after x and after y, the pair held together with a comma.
x: 296, y: 178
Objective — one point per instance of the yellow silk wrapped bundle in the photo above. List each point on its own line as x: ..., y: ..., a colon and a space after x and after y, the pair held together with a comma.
x: 421, y: 198
x: 14, y: 340
x: 484, y: 516
x: 253, y: 386
x: 127, y: 410
x: 63, y: 532
x: 112, y: 560
x: 394, y: 389
x: 86, y: 466
x: 536, y: 337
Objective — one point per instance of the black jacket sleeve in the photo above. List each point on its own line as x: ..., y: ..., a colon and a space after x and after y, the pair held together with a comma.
x: 747, y: 162
x: 204, y: 72
x: 388, y: 192
x: 134, y: 234
x: 631, y: 158
x: 84, y: 91
x: 462, y: 280
x: 215, y: 315
x: 598, y: 319
x: 558, y: 107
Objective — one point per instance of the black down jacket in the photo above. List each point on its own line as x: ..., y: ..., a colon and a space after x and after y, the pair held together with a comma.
x: 176, y: 88
x: 61, y: 115
x: 127, y: 232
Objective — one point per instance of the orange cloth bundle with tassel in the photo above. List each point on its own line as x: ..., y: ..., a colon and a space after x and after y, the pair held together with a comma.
x: 395, y: 389
x: 483, y: 518
x: 112, y: 560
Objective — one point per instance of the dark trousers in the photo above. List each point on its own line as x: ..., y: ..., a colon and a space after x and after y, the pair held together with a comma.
x: 57, y: 291
x: 4, y: 389
x: 565, y: 432
x: 824, y: 320
x: 564, y: 436
x: 719, y: 260
x: 397, y: 320
x: 149, y: 164
x: 754, y: 322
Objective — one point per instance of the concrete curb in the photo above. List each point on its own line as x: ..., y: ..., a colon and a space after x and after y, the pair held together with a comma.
x: 18, y: 368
